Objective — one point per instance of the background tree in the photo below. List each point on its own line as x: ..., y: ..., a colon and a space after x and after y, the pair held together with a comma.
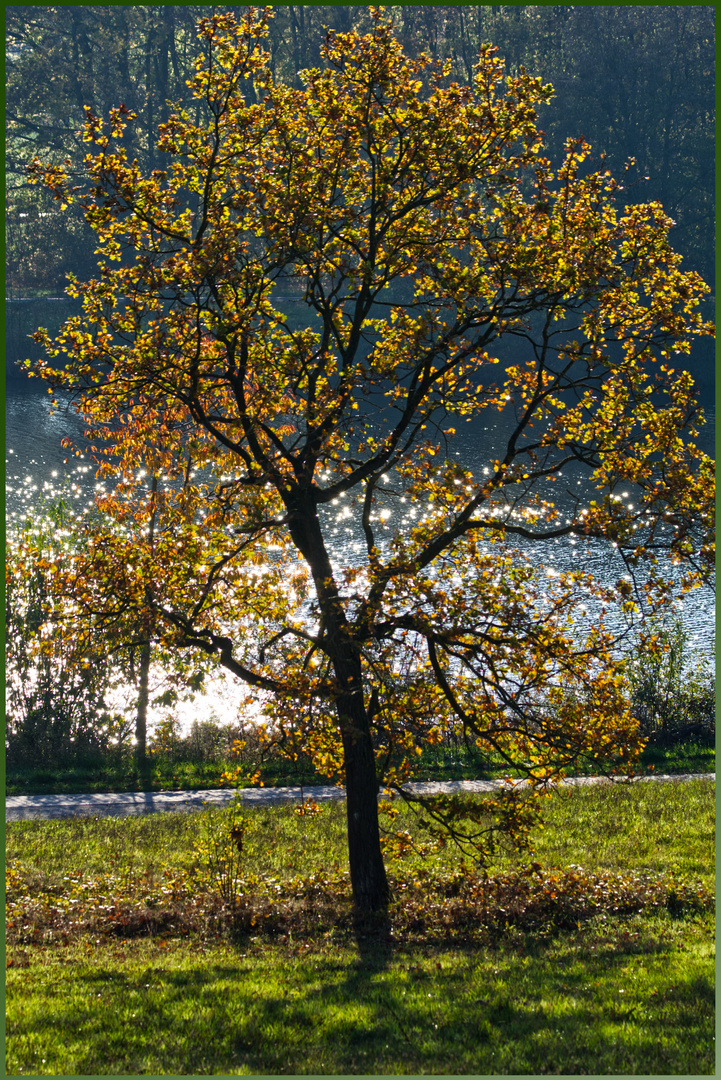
x: 416, y: 223
x: 57, y: 687
x: 635, y: 81
x: 60, y: 60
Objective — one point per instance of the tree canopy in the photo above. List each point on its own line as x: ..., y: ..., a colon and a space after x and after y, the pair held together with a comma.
x: 290, y: 316
x: 636, y: 81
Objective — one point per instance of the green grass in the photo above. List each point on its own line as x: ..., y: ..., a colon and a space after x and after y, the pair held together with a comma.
x: 692, y: 757
x: 652, y: 826
x: 117, y: 964
x: 635, y: 999
x: 439, y: 763
x: 167, y: 773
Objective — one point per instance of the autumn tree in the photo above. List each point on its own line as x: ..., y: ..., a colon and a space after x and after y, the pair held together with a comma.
x: 415, y: 229
x: 638, y: 82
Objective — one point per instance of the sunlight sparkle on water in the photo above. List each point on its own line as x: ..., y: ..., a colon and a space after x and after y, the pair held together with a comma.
x: 222, y: 697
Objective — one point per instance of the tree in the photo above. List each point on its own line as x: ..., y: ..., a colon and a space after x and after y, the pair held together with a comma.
x: 413, y: 222
x: 58, y: 60
x: 57, y: 689
x: 638, y: 82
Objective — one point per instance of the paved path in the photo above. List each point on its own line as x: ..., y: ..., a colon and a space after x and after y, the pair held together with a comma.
x: 123, y: 804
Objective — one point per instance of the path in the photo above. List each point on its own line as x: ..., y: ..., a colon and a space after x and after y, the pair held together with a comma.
x: 123, y: 804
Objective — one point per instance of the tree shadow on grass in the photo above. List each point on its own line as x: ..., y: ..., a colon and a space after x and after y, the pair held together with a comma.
x: 373, y: 934
x: 322, y: 1012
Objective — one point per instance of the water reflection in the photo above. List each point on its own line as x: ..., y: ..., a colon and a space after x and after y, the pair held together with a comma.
x: 38, y: 468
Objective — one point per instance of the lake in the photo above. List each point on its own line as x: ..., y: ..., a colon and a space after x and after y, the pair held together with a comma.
x: 37, y: 465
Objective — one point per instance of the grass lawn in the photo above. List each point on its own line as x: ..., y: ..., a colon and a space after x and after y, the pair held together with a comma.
x: 122, y: 959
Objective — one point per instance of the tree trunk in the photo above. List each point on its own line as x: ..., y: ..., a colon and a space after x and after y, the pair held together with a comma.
x: 365, y: 859
x: 141, y: 716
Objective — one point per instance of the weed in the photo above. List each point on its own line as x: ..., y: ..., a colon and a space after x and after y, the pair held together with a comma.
x: 219, y: 850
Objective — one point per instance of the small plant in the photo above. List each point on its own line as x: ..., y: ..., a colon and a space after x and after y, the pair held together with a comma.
x: 308, y: 808
x: 220, y: 850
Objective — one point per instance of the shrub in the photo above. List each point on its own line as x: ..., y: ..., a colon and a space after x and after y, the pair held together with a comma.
x: 166, y: 740
x: 205, y: 742
x: 57, y: 708
x: 219, y: 851
x: 672, y: 685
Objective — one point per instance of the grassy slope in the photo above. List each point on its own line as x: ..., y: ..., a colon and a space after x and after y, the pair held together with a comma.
x: 630, y: 994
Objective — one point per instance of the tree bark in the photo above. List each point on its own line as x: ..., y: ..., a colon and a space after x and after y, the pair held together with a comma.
x: 365, y: 859
x: 141, y: 715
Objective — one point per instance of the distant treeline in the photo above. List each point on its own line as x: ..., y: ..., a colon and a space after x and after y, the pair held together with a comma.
x: 635, y: 81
